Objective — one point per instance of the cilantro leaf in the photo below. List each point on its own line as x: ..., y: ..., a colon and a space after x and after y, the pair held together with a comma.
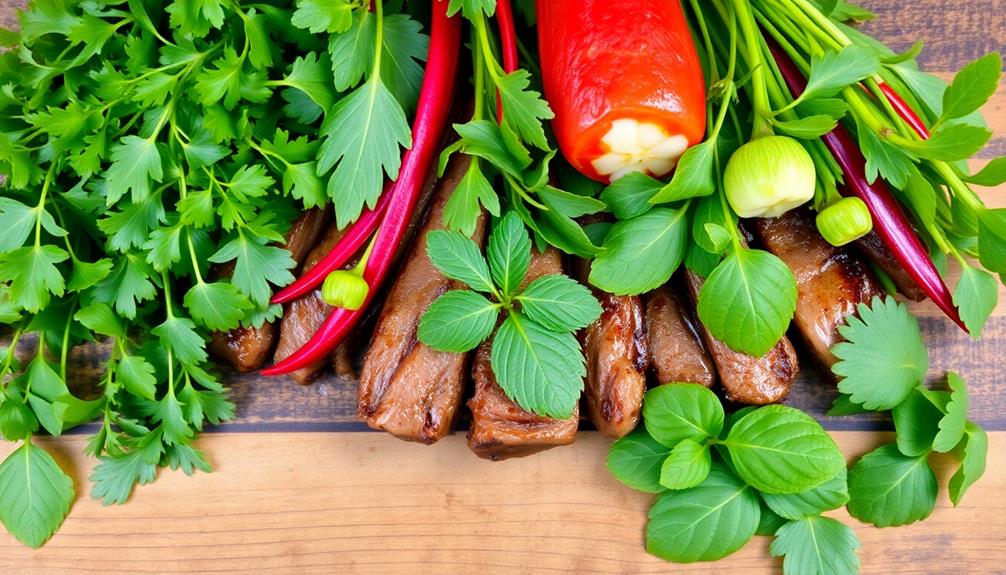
x: 816, y: 546
x: 100, y: 318
x: 883, y: 358
x: 509, y: 255
x: 33, y: 275
x: 748, y: 301
x: 216, y: 306
x: 303, y: 183
x: 18, y: 221
x: 310, y: 74
x: 115, y: 477
x: 687, y: 466
x: 135, y: 161
x: 137, y: 376
x: 887, y: 488
x: 256, y: 265
x: 35, y: 496
x: 332, y: 16
x: 178, y: 335
x: 642, y: 253
x: 680, y: 521
x: 833, y: 71
x: 352, y: 51
x: 779, y: 449
x: 459, y: 258
x: 636, y: 461
x: 559, y: 303
x: 955, y: 416
x: 471, y: 9
x: 458, y: 321
x: 972, y: 453
x: 976, y: 296
x: 972, y: 86
x: 541, y: 370
x: 884, y: 159
x: 403, y: 47
x: 363, y: 134
x: 525, y: 108
x: 673, y: 413
x: 127, y: 285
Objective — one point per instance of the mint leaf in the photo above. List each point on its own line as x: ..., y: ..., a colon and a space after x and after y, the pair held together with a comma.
x: 216, y: 306
x: 831, y: 494
x: 972, y: 86
x: 541, y: 370
x: 459, y: 258
x: 972, y: 453
x: 887, y: 488
x: 509, y: 254
x: 952, y: 424
x: 833, y: 71
x: 636, y: 461
x: 883, y: 358
x: 976, y: 296
x: 559, y: 303
x: 687, y: 466
x: 363, y: 136
x: 748, y: 301
x: 35, y: 494
x: 916, y: 422
x: 675, y: 412
x: 458, y: 321
x: 631, y: 195
x: 693, y: 177
x: 816, y: 546
x: 641, y: 254
x: 681, y: 523
x: 779, y: 449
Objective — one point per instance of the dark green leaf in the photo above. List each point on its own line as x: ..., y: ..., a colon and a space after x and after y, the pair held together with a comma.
x: 559, y: 303
x: 642, y: 253
x: 459, y: 258
x: 458, y: 321
x: 509, y: 253
x: 679, y: 411
x: 636, y: 461
x: 687, y: 466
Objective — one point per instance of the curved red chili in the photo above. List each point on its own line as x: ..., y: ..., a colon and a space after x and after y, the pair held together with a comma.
x: 905, y: 111
x: 427, y: 130
x: 508, y: 42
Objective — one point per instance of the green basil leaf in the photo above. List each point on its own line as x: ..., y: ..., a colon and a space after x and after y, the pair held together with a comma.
x: 687, y: 465
x: 703, y: 523
x: 887, y: 488
x: 679, y: 411
x: 779, y: 449
x: 642, y: 253
x: 628, y: 196
x: 831, y: 494
x: 816, y: 546
x: 636, y: 461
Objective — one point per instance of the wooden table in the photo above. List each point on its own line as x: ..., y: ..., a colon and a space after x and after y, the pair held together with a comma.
x: 299, y: 487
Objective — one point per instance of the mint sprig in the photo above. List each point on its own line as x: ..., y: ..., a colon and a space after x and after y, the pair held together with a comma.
x: 535, y: 356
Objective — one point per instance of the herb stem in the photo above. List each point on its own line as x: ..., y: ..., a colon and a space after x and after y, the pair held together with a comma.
x: 40, y: 207
x: 762, y: 126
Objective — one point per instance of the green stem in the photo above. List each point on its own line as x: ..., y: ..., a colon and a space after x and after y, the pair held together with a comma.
x: 65, y: 349
x: 762, y: 125
x: 40, y: 207
x: 375, y: 71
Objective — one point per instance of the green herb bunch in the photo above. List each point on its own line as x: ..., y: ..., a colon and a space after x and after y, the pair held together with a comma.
x: 140, y: 143
x: 774, y: 471
x: 536, y: 357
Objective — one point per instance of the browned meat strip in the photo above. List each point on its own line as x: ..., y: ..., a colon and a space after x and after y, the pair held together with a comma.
x: 303, y: 316
x: 677, y: 353
x: 747, y: 379
x: 247, y: 348
x: 873, y: 247
x: 501, y: 429
x: 406, y: 388
x: 617, y: 359
x: 830, y: 281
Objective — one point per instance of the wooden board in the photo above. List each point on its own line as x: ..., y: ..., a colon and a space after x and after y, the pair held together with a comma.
x: 299, y: 489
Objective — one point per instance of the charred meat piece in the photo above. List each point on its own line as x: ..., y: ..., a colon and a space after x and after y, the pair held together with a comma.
x: 302, y: 317
x: 406, y: 388
x: 617, y: 359
x: 677, y: 353
x: 747, y: 379
x: 830, y: 281
x: 873, y: 248
x: 500, y: 428
x: 247, y: 348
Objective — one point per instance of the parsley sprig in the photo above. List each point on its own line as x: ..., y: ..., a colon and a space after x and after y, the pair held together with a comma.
x: 535, y: 356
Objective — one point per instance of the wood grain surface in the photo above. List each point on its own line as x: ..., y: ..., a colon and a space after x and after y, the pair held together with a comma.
x: 297, y: 490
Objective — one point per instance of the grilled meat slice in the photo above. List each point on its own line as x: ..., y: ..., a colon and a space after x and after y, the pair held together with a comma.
x: 873, y: 248
x: 747, y: 379
x: 406, y: 388
x: 830, y: 281
x: 677, y: 353
x: 247, y: 348
x: 617, y: 359
x: 500, y: 428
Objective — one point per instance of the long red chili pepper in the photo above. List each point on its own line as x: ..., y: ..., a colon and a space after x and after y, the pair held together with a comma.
x: 905, y: 111
x: 889, y: 219
x: 351, y: 242
x: 427, y: 131
x: 508, y: 40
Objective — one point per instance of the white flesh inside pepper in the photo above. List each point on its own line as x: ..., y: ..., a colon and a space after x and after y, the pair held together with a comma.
x: 633, y: 146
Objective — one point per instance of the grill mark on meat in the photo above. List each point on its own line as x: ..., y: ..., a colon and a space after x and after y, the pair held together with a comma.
x: 677, y: 352
x: 407, y: 388
x: 500, y: 428
x: 248, y: 348
x: 831, y: 282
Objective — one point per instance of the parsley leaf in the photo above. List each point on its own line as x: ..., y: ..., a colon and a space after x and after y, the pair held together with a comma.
x: 833, y: 71
x: 216, y: 306
x: 816, y: 546
x: 883, y: 358
x: 33, y: 275
x: 35, y: 495
x: 955, y: 418
x: 256, y: 265
x: 525, y: 108
x: 135, y: 161
x: 324, y: 15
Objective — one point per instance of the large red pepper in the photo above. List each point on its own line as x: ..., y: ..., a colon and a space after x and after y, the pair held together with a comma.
x: 625, y: 82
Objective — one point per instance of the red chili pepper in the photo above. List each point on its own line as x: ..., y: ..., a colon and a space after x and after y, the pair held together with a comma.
x: 889, y: 219
x: 427, y: 131
x: 354, y: 238
x: 905, y: 111
x: 625, y: 82
x: 508, y: 40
